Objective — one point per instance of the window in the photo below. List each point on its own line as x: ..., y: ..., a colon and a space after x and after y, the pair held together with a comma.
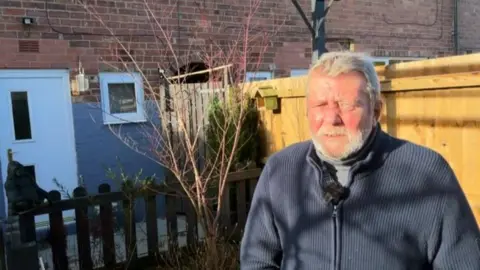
x: 258, y: 76
x: 21, y: 116
x: 122, y: 97
x: 298, y: 72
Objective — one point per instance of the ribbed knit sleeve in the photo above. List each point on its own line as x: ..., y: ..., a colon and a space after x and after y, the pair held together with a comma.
x: 260, y: 246
x: 455, y: 239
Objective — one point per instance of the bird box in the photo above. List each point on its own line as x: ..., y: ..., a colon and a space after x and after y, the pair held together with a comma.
x: 267, y: 97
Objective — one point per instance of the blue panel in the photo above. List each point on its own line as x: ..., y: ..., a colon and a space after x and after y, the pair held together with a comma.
x: 98, y: 148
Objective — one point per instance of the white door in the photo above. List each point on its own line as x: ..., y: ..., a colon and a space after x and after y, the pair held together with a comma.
x: 36, y: 123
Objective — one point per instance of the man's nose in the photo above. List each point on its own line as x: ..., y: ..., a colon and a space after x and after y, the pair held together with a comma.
x: 332, y: 116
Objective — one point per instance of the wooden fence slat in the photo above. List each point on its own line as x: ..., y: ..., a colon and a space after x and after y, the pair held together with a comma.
x: 252, y: 183
x: 172, y: 226
x: 18, y: 259
x: 244, y: 175
x: 186, y: 116
x: 173, y: 114
x: 225, y: 210
x: 200, y: 128
x: 241, y: 205
x: 83, y: 232
x: 58, y: 236
x: 203, y: 119
x: 252, y: 186
x: 106, y: 220
x: 192, y: 228
x: 151, y: 219
x: 27, y: 228
x: 192, y: 112
x: 130, y: 231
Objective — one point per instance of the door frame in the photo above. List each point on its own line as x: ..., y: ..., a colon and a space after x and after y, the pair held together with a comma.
x: 64, y: 75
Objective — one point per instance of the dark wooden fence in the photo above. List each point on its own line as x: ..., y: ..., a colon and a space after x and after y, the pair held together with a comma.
x: 236, y: 204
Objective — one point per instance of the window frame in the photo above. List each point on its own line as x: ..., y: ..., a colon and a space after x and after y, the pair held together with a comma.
x: 29, y: 107
x: 258, y: 74
x: 106, y: 78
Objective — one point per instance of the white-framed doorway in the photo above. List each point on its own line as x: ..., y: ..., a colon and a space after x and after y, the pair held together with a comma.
x: 36, y: 123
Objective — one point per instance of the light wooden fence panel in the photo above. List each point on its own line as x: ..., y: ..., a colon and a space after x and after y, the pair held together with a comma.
x: 186, y: 108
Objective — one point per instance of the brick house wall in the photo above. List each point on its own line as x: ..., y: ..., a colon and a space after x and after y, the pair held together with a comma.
x: 64, y: 49
x: 404, y: 28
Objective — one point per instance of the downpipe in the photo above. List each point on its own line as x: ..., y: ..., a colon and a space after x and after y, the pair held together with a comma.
x: 455, y: 27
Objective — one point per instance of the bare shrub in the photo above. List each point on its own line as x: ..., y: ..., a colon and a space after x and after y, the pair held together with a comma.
x: 174, y: 135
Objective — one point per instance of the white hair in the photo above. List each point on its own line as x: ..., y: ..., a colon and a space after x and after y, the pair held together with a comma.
x: 336, y: 63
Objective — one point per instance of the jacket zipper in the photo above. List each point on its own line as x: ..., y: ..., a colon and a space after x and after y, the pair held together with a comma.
x: 336, y: 233
x: 336, y: 237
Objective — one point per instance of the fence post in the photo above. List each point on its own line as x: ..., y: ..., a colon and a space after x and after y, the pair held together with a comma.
x: 59, y: 236
x: 21, y: 245
x: 171, y: 217
x: 83, y: 231
x: 129, y: 229
x: 106, y: 223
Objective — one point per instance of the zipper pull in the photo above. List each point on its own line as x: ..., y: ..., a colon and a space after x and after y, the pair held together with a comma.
x: 334, y: 213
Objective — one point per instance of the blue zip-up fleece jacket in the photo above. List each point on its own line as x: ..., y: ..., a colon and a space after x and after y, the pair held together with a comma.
x: 405, y: 210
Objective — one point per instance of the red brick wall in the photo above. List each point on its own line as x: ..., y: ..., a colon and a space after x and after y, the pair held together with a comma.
x: 223, y: 20
x: 420, y: 28
x: 394, y: 28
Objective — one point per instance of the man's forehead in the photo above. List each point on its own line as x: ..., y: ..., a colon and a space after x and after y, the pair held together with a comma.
x: 344, y: 82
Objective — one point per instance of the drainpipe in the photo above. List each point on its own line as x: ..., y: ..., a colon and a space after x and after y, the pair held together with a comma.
x: 455, y: 27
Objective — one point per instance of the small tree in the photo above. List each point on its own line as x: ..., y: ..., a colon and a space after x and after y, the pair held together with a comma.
x: 199, y: 157
x: 222, y: 118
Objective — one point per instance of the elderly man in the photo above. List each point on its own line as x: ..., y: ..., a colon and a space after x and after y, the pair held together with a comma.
x: 355, y: 198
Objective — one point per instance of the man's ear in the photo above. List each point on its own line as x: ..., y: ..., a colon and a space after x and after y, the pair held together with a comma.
x: 377, y: 110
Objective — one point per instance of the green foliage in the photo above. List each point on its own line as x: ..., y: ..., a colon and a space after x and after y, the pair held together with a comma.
x: 130, y: 183
x: 223, y: 122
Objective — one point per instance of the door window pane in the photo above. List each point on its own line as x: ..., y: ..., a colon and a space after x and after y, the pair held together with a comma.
x: 30, y: 169
x: 21, y: 116
x: 122, y: 97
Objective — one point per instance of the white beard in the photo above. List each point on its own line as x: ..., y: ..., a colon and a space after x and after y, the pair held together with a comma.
x: 355, y: 142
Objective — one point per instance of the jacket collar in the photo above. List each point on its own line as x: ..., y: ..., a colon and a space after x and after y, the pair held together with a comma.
x: 373, y: 159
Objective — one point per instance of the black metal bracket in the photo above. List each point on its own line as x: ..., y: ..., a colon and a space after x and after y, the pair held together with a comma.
x: 317, y: 29
x: 304, y: 17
